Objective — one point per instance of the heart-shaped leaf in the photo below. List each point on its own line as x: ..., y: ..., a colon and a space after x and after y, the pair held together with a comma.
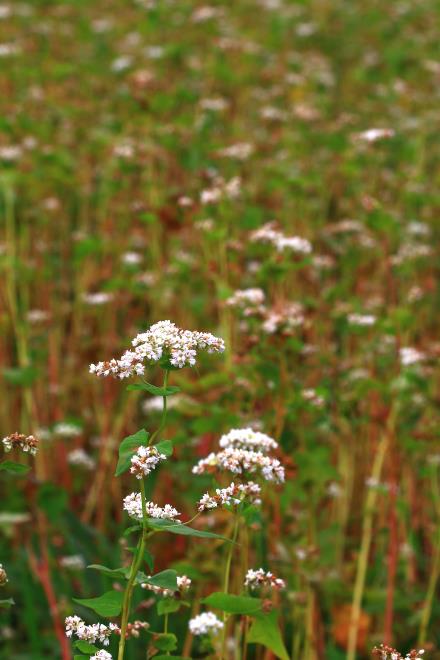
x: 234, y: 604
x: 152, y: 389
x: 180, y: 528
x: 14, y: 468
x: 128, y: 448
x: 265, y: 630
x: 109, y: 604
x: 121, y: 573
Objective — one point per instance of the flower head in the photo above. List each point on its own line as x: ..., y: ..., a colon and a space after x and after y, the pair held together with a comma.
x: 205, y: 624
x: 3, y: 576
x: 164, y: 342
x: 239, y: 461
x: 96, y: 632
x: 233, y: 495
x: 247, y: 439
x: 133, y: 505
x: 259, y: 578
x: 27, y: 443
x: 145, y: 460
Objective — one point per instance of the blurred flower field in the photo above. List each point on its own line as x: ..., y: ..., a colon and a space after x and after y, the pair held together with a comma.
x: 264, y: 174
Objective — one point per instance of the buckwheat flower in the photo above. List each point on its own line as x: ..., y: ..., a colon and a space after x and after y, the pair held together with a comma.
x: 268, y: 233
x: 98, y: 298
x: 122, y: 63
x: 362, y: 320
x: 101, y: 655
x: 132, y: 504
x: 145, y: 461
x: 134, y: 629
x: 205, y: 624
x: 96, y: 632
x: 27, y: 443
x: 375, y: 134
x: 3, y: 576
x: 233, y: 495
x: 409, y: 356
x: 214, y: 105
x: 239, y: 461
x: 81, y: 458
x: 247, y: 438
x: 313, y: 397
x: 131, y: 258
x: 163, y: 341
x: 239, y: 151
x: 283, y: 320
x: 251, y: 301
x: 184, y: 583
x: 12, y: 152
x: 67, y: 430
x: 259, y: 578
x: 73, y: 562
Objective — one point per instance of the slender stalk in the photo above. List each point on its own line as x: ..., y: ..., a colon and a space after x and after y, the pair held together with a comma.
x: 367, y: 534
x: 226, y: 582
x: 140, y: 550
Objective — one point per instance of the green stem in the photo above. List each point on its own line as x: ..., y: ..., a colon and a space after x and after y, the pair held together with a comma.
x: 367, y: 534
x: 226, y: 582
x: 140, y: 550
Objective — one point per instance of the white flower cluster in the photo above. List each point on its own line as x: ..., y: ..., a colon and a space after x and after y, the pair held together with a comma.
x: 3, y: 576
x: 73, y: 562
x: 145, y: 460
x: 221, y: 189
x: 101, y: 655
x: 285, y: 320
x: 27, y: 443
x: 183, y: 584
x: 259, y: 578
x: 96, y: 632
x: 251, y: 301
x: 269, y: 234
x: 205, y: 624
x: 384, y: 652
x: 164, y: 340
x: 239, y: 461
x: 375, y: 134
x: 133, y: 505
x: 247, y: 439
x: 232, y: 495
x: 81, y: 459
x: 239, y: 151
x: 409, y: 356
x: 361, y: 319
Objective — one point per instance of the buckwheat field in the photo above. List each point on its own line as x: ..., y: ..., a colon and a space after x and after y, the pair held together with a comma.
x: 219, y: 330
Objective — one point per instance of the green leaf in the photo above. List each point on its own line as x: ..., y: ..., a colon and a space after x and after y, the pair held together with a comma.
x: 165, y: 447
x: 81, y: 657
x: 165, y: 579
x: 180, y: 528
x: 22, y: 376
x: 152, y: 389
x: 7, y: 603
x: 121, y: 573
x: 128, y: 448
x: 167, y: 657
x: 14, y: 468
x: 168, y: 606
x: 85, y: 647
x: 109, y: 604
x: 165, y: 641
x: 265, y: 630
x: 234, y: 604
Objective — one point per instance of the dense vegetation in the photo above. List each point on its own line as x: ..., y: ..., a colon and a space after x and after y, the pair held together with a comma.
x: 266, y: 171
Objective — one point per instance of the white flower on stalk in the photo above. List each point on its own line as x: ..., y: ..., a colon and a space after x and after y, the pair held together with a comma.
x: 269, y: 234
x: 251, y: 301
x: 73, y: 562
x: 239, y: 461
x: 101, y: 655
x: 234, y: 494
x: 145, y: 460
x: 361, y: 319
x: 96, y: 632
x: 247, y: 439
x: 284, y: 320
x: 183, y: 584
x: 133, y: 506
x: 3, y: 576
x: 163, y: 340
x: 205, y: 624
x: 259, y: 578
x: 409, y: 356
x: 375, y: 134
x: 81, y: 458
x: 27, y: 443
